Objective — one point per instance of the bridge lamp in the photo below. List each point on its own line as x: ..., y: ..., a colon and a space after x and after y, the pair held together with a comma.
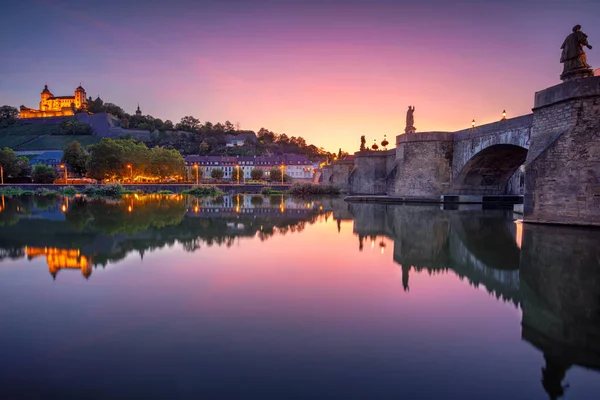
x: 473, y: 124
x: 503, y: 115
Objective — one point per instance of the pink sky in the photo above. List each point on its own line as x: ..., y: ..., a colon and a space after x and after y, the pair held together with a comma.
x: 327, y: 71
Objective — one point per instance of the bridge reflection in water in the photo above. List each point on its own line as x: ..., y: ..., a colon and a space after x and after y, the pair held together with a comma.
x: 551, y: 272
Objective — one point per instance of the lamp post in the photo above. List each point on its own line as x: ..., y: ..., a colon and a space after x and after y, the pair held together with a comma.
x: 196, y: 166
x: 473, y: 124
x: 66, y: 176
x: 503, y: 115
x: 282, y: 167
x: 130, y: 172
x: 237, y: 167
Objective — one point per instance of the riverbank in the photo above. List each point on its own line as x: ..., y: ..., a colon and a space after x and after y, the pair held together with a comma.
x: 145, y: 188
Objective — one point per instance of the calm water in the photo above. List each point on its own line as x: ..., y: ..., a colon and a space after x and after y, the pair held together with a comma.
x: 249, y: 297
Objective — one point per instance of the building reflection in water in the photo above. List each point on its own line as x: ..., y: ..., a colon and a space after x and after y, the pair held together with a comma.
x: 59, y: 259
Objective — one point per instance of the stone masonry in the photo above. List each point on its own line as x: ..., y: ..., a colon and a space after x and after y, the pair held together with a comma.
x: 562, y: 176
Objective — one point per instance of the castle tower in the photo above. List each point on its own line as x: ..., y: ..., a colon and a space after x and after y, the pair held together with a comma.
x: 80, y: 99
x: 44, y: 96
x: 138, y: 112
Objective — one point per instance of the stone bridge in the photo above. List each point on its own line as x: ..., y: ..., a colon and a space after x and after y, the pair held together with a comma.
x: 551, y: 157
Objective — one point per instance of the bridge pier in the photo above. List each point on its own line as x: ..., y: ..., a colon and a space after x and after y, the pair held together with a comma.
x: 562, y: 169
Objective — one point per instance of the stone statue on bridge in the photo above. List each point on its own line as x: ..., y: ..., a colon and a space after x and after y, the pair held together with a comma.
x: 410, y: 120
x: 573, y: 56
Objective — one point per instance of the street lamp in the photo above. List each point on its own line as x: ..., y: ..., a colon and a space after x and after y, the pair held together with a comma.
x: 238, y: 174
x: 66, y: 177
x: 130, y: 172
x: 282, y: 169
x: 196, y: 166
x: 473, y: 124
x: 503, y: 115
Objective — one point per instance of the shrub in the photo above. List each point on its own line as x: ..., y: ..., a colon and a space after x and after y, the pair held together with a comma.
x: 202, y: 190
x: 89, y: 190
x: 165, y: 192
x: 311, y: 189
x: 110, y: 189
x: 45, y: 192
x: 68, y: 190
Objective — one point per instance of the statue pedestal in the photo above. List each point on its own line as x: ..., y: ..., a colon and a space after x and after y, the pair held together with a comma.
x: 576, y: 74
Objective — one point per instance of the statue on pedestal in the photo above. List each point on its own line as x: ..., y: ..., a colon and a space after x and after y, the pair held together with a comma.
x: 573, y: 56
x: 410, y: 120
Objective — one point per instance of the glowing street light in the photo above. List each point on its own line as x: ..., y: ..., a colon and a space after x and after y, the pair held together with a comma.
x: 196, y: 166
x: 473, y: 124
x: 503, y: 115
x: 282, y: 173
x: 66, y: 177
x: 238, y: 174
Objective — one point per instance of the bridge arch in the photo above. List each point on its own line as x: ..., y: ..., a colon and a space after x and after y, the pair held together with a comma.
x: 489, y: 171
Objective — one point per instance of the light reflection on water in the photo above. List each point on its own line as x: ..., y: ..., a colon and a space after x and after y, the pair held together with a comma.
x: 250, y: 296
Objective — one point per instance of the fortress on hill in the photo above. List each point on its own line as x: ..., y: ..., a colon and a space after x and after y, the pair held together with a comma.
x: 56, y: 106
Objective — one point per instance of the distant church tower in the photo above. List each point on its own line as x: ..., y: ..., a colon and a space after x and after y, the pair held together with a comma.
x: 138, y: 112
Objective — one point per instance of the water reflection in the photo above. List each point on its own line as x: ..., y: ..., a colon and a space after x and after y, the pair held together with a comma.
x: 552, y: 274
x: 78, y: 232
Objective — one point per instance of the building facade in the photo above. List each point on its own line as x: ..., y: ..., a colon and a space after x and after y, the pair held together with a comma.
x: 56, y: 106
x: 296, y: 166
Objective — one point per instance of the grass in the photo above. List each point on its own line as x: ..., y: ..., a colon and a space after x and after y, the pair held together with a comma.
x: 312, y: 189
x: 39, y: 137
x: 10, y: 191
x: 203, y: 190
x: 267, y: 191
x: 164, y: 192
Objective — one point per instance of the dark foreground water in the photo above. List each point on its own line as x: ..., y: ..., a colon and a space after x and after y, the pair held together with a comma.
x: 167, y: 297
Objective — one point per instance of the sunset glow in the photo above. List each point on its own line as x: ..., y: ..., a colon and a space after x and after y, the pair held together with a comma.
x: 327, y: 71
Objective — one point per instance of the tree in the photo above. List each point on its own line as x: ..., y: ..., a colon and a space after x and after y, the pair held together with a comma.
x: 217, y: 173
x: 237, y: 174
x: 109, y: 158
x: 256, y: 174
x: 275, y: 174
x: 114, y: 110
x: 75, y: 157
x: 12, y: 164
x: 168, y: 126
x: 164, y: 163
x: 74, y: 127
x: 204, y: 148
x: 43, y: 174
x: 8, y: 116
x: 188, y: 124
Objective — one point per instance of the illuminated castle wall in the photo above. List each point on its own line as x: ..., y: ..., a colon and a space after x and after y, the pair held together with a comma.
x: 58, y: 259
x: 56, y: 106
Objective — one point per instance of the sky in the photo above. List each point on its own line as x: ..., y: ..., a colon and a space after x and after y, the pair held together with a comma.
x: 329, y: 71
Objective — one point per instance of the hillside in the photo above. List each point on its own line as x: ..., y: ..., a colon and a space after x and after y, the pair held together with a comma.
x: 39, y: 137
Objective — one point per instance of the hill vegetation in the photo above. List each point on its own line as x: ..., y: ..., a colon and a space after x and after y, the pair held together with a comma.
x: 188, y: 136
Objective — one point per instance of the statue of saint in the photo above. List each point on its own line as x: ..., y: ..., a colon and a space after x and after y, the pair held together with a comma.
x: 410, y: 120
x: 573, y: 56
